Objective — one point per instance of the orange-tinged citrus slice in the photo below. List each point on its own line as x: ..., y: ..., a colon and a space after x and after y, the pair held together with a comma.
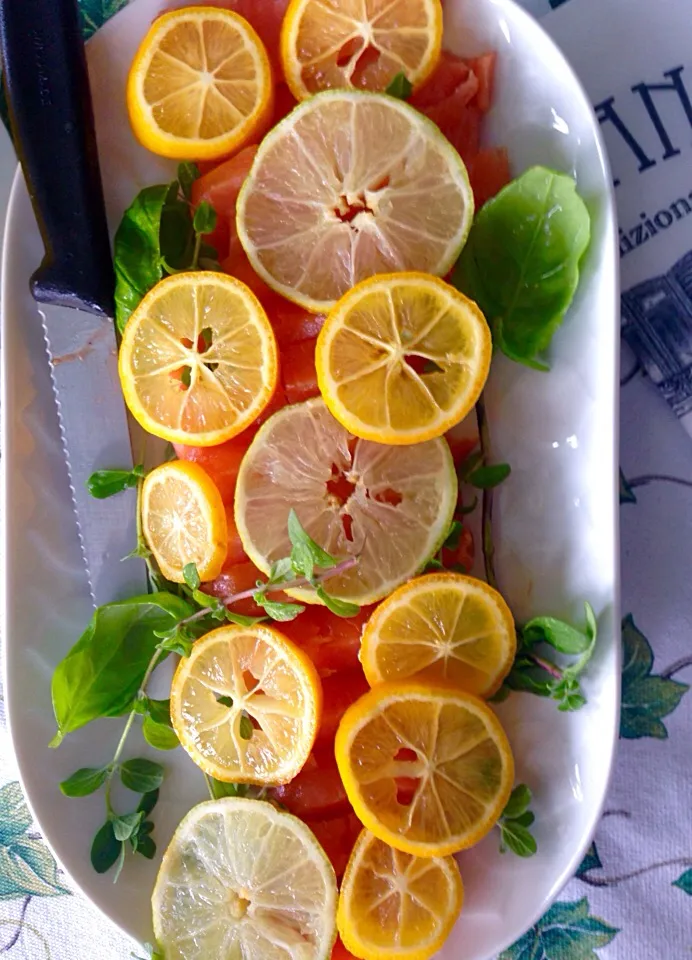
x: 243, y: 879
x: 200, y: 84
x: 441, y: 627
x: 246, y: 704
x: 184, y: 520
x: 427, y: 769
x: 355, y: 44
x: 389, y: 507
x: 396, y: 906
x: 198, y: 359
x: 348, y: 185
x: 403, y: 357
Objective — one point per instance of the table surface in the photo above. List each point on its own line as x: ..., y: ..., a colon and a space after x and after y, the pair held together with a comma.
x: 630, y: 898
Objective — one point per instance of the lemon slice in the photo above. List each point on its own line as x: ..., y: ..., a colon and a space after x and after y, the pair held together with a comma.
x: 442, y: 627
x: 348, y: 185
x: 427, y: 769
x: 246, y: 705
x: 184, y: 520
x: 200, y: 84
x: 242, y: 879
x: 347, y: 45
x: 388, y: 506
x: 198, y: 359
x: 401, y: 358
x: 394, y: 906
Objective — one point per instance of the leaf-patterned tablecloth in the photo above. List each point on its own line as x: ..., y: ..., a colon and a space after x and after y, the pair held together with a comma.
x: 630, y: 897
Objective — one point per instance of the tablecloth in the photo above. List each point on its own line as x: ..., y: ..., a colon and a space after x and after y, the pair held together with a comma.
x: 630, y: 898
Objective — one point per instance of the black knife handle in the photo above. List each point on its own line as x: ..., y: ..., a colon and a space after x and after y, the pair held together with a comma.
x: 53, y: 125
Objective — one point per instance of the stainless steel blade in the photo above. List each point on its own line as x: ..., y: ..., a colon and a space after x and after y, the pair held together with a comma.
x: 94, y: 426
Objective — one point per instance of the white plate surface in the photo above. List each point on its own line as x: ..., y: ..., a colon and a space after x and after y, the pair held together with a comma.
x: 556, y: 529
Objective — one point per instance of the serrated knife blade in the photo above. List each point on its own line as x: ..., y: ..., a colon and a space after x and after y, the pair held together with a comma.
x: 48, y: 93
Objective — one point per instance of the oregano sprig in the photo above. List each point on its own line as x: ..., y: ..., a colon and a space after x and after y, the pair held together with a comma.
x: 515, y: 822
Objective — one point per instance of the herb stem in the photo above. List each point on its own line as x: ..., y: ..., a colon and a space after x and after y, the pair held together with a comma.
x: 547, y: 666
x: 195, y: 255
x: 487, y: 510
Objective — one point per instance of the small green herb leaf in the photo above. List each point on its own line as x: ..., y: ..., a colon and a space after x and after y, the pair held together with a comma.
x: 125, y: 826
x: 521, y: 261
x: 141, y: 775
x: 400, y: 87
x: 84, y: 781
x: 225, y: 701
x: 106, y: 483
x: 433, y: 565
x: 159, y: 710
x: 148, y: 802
x: 242, y: 620
x: 246, y: 729
x: 518, y: 802
x: 276, y: 609
x: 220, y: 789
x: 556, y: 633
x: 453, y: 535
x: 187, y: 174
x: 340, y: 608
x: 147, y: 848
x: 191, y: 576
x: 159, y: 735
x: 306, y: 554
x: 485, y: 478
x: 280, y: 570
x: 105, y: 849
x: 468, y: 508
x: 205, y: 218
x: 517, y: 838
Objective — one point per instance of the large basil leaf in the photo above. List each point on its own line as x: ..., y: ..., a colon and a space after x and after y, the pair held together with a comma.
x: 102, y: 673
x: 521, y: 261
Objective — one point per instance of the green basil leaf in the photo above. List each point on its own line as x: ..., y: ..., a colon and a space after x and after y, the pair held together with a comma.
x: 188, y: 172
x: 518, y: 803
x: 204, y: 220
x: 521, y: 261
x: 136, y: 251
x: 159, y: 735
x: 306, y: 554
x: 141, y: 775
x: 518, y: 839
x: 125, y: 826
x: 84, y: 781
x: 276, y: 609
x: 340, y: 608
x: 105, y: 849
x: 246, y: 728
x: 191, y: 576
x: 103, y: 671
x: 400, y: 87
x: 176, y: 236
x: 148, y: 802
x: 556, y: 633
x: 106, y: 483
x: 485, y: 478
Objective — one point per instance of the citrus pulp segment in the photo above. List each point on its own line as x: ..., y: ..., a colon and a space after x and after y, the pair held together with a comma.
x: 200, y: 84
x: 198, y: 360
x: 395, y: 906
x: 389, y: 507
x: 442, y: 627
x: 351, y: 184
x: 428, y: 769
x: 341, y: 45
x: 246, y: 705
x: 184, y: 520
x: 242, y: 879
x: 403, y: 357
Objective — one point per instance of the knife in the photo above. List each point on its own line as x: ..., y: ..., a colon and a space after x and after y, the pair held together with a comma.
x: 53, y: 126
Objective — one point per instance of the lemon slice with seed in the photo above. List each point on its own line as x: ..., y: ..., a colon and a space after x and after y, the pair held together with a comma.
x: 241, y: 879
x: 198, y: 360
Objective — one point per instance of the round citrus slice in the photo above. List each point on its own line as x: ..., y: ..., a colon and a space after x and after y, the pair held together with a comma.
x: 184, y: 520
x: 198, y: 359
x: 200, y: 84
x: 395, y: 906
x: 401, y: 358
x: 388, y: 507
x: 359, y: 45
x: 427, y: 769
x: 246, y: 705
x: 242, y: 879
x: 441, y: 627
x: 326, y: 205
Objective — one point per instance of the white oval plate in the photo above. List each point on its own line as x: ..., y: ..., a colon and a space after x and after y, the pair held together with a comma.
x: 556, y: 526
